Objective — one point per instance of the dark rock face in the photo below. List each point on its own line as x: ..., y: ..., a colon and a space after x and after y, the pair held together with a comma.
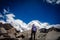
x: 7, y: 26
x: 58, y: 38
x: 1, y: 24
x: 58, y: 30
x: 55, y: 29
x: 43, y: 30
x: 21, y: 36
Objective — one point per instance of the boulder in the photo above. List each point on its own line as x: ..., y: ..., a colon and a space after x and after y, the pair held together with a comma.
x: 52, y: 35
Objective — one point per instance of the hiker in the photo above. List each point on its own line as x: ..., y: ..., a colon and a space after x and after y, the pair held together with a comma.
x: 33, y: 31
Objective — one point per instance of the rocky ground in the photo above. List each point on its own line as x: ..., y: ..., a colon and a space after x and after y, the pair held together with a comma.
x: 7, y: 32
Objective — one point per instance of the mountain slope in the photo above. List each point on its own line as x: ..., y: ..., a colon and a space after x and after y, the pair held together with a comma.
x: 21, y: 25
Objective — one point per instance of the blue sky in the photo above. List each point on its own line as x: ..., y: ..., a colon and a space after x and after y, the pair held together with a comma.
x: 28, y: 10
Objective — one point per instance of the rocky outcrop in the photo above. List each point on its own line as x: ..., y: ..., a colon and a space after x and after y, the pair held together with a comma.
x: 7, y: 32
x: 52, y: 35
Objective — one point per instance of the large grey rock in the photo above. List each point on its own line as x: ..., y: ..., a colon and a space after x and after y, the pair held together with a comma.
x: 52, y: 35
x: 2, y: 30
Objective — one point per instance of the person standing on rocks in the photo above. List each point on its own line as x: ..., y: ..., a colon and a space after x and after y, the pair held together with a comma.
x: 33, y: 31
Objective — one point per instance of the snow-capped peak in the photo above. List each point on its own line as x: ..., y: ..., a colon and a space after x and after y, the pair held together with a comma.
x: 22, y: 26
x: 35, y: 22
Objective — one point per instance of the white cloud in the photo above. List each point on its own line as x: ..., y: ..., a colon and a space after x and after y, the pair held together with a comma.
x: 10, y: 15
x: 22, y: 26
x: 36, y: 22
x: 58, y: 2
x: 16, y: 23
x: 2, y: 21
x: 10, y: 18
x: 5, y: 11
x: 39, y: 24
x: 1, y: 15
x: 49, y: 1
x: 57, y: 26
x: 45, y: 25
x: 53, y: 1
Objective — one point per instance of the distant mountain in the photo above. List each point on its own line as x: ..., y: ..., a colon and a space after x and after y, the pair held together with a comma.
x: 21, y: 26
x: 55, y: 29
x: 35, y: 22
